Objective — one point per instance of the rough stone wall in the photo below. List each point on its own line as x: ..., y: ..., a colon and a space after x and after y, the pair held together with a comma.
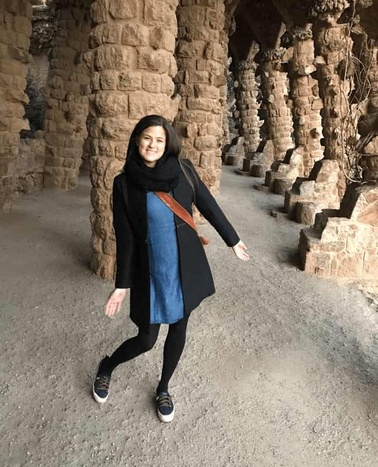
x: 201, y: 82
x: 304, y: 94
x: 15, y: 32
x: 368, y: 123
x: 67, y: 96
x: 327, y: 181
x: 30, y: 165
x: 44, y: 28
x: 309, y: 196
x: 43, y: 32
x: 247, y: 104
x: 132, y: 68
x: 345, y: 246
x: 275, y: 88
x: 334, y: 46
x: 306, y: 101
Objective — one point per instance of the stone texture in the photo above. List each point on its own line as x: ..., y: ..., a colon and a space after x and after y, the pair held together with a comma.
x: 345, y: 247
x: 30, y: 165
x: 67, y: 97
x: 202, y: 61
x: 15, y: 32
x: 333, y: 44
x: 282, y: 174
x: 306, y: 116
x: 323, y: 179
x: 131, y: 77
x: 247, y: 103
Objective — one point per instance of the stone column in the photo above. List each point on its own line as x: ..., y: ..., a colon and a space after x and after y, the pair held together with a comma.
x: 15, y: 29
x: 246, y: 102
x: 201, y: 81
x: 278, y: 120
x: 67, y: 96
x: 306, y: 100
x: 367, y: 146
x: 344, y: 243
x: 132, y: 68
x: 326, y: 184
x: 306, y: 116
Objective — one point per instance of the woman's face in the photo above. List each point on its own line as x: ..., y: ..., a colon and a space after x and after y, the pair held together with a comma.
x: 151, y: 144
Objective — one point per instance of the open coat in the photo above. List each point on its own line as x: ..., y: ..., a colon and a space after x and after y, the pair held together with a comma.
x: 130, y: 225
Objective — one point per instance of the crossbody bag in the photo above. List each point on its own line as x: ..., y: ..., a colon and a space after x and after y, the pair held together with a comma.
x: 181, y: 212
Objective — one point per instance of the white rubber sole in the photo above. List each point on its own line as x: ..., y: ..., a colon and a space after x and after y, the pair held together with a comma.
x: 100, y: 400
x: 166, y: 418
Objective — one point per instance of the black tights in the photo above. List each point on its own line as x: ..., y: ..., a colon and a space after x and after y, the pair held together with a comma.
x: 145, y: 340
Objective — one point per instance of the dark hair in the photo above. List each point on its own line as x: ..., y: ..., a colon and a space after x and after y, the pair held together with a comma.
x: 172, y: 144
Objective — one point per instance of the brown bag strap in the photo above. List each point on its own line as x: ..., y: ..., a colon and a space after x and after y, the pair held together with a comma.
x: 176, y: 207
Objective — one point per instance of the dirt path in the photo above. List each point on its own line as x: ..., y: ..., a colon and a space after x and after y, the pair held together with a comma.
x: 280, y: 369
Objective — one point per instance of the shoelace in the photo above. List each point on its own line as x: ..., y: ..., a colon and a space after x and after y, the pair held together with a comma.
x: 103, y: 382
x: 164, y: 401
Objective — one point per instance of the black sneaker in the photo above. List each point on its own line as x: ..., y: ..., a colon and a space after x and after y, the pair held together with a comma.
x: 101, y: 384
x: 164, y: 407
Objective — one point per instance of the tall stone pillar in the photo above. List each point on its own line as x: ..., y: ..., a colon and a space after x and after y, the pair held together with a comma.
x: 367, y: 125
x: 201, y: 81
x: 15, y: 29
x: 304, y: 93
x: 247, y: 104
x: 344, y: 242
x: 278, y: 119
x: 326, y: 184
x: 306, y: 100
x: 67, y: 96
x: 132, y: 68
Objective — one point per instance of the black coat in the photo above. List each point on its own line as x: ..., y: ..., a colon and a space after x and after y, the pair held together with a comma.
x: 130, y: 225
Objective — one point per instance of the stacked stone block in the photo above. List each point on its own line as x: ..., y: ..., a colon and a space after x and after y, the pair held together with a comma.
x: 306, y: 113
x: 306, y: 101
x: 247, y: 104
x: 15, y: 32
x: 333, y: 46
x: 67, y: 96
x: 367, y: 125
x: 308, y: 196
x: 278, y: 122
x: 30, y: 164
x: 201, y: 82
x: 345, y: 245
x: 132, y: 67
x: 282, y: 174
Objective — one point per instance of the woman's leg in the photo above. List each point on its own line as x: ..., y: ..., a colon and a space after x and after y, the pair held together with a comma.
x: 133, y: 347
x: 173, y: 348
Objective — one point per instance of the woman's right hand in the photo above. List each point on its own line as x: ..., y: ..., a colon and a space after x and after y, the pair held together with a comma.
x: 113, y: 305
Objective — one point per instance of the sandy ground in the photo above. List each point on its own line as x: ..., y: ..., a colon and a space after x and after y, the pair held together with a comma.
x: 280, y: 368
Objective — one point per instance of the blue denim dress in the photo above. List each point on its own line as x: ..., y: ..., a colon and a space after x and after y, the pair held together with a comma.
x: 166, y: 300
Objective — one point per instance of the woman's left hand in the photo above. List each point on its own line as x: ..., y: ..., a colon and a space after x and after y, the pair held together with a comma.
x: 240, y: 251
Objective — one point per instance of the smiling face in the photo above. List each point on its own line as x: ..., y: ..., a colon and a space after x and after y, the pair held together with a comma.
x: 151, y: 145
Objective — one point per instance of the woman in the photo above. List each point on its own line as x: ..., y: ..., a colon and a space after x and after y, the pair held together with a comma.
x: 159, y: 256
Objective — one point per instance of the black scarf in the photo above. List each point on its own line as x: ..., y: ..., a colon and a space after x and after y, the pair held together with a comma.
x: 163, y: 177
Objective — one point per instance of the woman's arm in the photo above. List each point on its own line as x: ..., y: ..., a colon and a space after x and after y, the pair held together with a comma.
x: 211, y: 211
x: 124, y: 240
x: 125, y: 252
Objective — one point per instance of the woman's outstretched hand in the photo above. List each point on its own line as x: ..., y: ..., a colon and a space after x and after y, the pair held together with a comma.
x: 240, y: 251
x: 113, y: 305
